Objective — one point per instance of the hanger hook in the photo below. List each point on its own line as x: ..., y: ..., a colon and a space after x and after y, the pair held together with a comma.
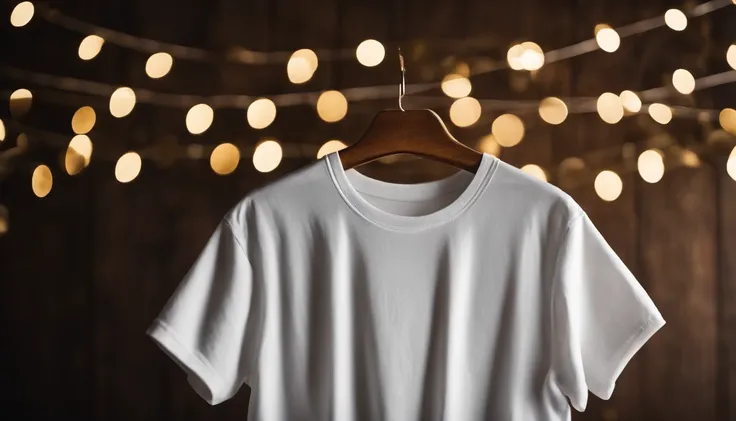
x: 402, y: 84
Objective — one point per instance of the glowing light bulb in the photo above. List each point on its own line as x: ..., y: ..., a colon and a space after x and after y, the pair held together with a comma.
x: 607, y: 38
x: 122, y: 102
x: 608, y: 185
x: 675, y: 19
x: 514, y: 57
x: 553, y: 110
x: 84, y: 120
x: 610, y: 108
x: 159, y: 65
x: 456, y: 86
x: 267, y: 156
x: 731, y: 56
x: 532, y: 56
x: 508, y: 130
x: 465, y: 112
x: 261, y: 113
x: 22, y: 14
x: 2, y: 131
x: 20, y: 102
x: 199, y: 118
x: 731, y: 164
x: 299, y: 69
x: 225, y: 158
x: 651, y: 166
x: 370, y: 53
x: 90, y: 47
x: 683, y: 81
x: 630, y: 101
x: 332, y: 106
x: 727, y: 119
x: 128, y: 167
x: 78, y: 154
x: 660, y: 113
x: 42, y: 181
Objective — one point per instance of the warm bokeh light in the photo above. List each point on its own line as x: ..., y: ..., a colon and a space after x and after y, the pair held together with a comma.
x: 608, y: 185
x: 329, y: 147
x: 465, y: 112
x: 84, y: 120
x: 332, y: 106
x: 607, y: 38
x: 489, y: 145
x: 727, y: 119
x: 660, y: 113
x: 122, y: 102
x: 508, y: 130
x: 199, y: 118
x: 553, y: 110
x: 22, y: 14
x: 90, y: 47
x: 4, y: 223
x: 78, y: 154
x: 267, y: 156
x: 610, y: 108
x: 159, y: 65
x: 535, y: 171
x: 630, y: 101
x: 41, y: 181
x: 675, y: 19
x: 128, y: 167
x: 20, y: 102
x: 296, y: 69
x: 572, y: 164
x: 690, y: 158
x: 456, y: 86
x: 731, y: 164
x: 2, y: 131
x: 532, y: 56
x: 370, y: 53
x: 683, y: 81
x: 261, y: 113
x: 731, y: 56
x: 651, y: 166
x: 514, y: 57
x: 225, y: 158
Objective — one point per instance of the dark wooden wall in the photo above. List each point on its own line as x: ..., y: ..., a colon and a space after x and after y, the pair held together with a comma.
x: 84, y: 271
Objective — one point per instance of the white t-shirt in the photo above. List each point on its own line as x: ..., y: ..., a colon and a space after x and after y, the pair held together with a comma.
x: 335, y: 296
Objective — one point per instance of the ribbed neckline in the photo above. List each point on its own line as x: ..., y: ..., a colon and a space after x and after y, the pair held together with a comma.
x: 352, y: 185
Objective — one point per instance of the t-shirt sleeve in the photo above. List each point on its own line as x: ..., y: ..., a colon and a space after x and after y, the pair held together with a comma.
x: 601, y: 315
x: 209, y: 325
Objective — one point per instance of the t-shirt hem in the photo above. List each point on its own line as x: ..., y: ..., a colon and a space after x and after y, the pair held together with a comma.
x: 190, y: 360
x: 604, y: 388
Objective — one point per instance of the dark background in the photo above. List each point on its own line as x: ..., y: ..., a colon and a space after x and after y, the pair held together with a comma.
x: 85, y: 270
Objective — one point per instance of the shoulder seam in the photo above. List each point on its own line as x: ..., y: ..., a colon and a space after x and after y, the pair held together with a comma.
x: 231, y: 229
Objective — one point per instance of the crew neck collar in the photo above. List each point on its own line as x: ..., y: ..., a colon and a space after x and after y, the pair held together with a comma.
x: 352, y: 184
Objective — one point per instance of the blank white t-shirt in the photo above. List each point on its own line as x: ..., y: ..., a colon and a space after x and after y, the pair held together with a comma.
x: 335, y: 296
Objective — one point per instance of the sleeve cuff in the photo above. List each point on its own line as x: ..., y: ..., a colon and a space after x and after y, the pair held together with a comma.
x: 603, y: 388
x: 200, y: 374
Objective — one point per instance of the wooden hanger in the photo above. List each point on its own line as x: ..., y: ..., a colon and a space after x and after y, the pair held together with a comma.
x: 416, y: 132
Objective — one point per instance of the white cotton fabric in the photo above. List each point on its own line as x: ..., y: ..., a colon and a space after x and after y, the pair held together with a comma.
x: 335, y: 296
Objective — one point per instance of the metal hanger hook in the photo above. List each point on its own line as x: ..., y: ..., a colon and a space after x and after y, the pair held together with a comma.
x: 402, y: 84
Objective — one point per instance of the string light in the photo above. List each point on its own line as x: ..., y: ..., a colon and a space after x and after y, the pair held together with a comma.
x: 489, y: 145
x: 332, y: 106
x: 122, y: 102
x: 731, y: 164
x: 508, y: 130
x: 329, y: 147
x: 128, y: 167
x: 608, y: 185
x: 630, y: 101
x: 159, y: 65
x: 456, y: 86
x: 20, y: 102
x: 22, y: 14
x: 683, y: 81
x: 225, y: 158
x: 267, y: 156
x: 199, y: 118
x: 370, y: 53
x: 84, y: 120
x: 532, y: 56
x: 78, y: 154
x: 610, y: 108
x: 2, y: 131
x: 675, y: 19
x: 514, y: 57
x: 465, y: 112
x: 261, y: 113
x: 42, y: 181
x: 651, y: 165
x: 727, y: 119
x: 90, y: 47
x: 731, y: 56
x: 301, y: 66
x: 553, y: 110
x: 607, y: 38
x: 535, y: 171
x: 660, y: 113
